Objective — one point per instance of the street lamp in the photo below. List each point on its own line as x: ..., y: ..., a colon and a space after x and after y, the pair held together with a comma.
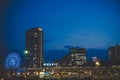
x: 26, y: 52
x: 97, y: 63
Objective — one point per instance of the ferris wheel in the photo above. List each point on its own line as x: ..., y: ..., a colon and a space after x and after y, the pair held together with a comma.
x: 12, y: 61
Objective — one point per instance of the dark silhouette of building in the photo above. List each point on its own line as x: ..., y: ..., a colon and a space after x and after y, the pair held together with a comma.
x: 114, y: 54
x: 78, y: 56
x: 1, y: 63
x: 34, y: 48
x: 64, y: 61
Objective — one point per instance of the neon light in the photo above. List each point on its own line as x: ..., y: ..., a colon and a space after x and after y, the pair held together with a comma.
x: 12, y: 61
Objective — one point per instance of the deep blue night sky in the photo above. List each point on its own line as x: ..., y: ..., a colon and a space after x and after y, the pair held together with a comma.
x: 92, y: 24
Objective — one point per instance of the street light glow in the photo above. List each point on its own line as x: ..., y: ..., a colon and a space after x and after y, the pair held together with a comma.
x: 97, y: 63
x: 26, y: 52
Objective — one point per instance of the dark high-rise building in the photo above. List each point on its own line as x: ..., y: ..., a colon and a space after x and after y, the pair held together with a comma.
x: 34, y: 48
x: 114, y: 54
x: 1, y: 63
x: 78, y: 56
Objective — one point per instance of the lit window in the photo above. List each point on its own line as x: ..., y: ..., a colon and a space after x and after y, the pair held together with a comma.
x: 35, y: 33
x: 35, y: 48
x: 35, y: 45
x: 40, y: 29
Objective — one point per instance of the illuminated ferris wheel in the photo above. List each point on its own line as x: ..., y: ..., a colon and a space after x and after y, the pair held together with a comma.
x: 12, y: 61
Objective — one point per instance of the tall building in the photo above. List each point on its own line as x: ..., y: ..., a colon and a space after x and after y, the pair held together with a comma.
x: 114, y: 54
x: 1, y: 63
x: 78, y: 56
x: 34, y: 48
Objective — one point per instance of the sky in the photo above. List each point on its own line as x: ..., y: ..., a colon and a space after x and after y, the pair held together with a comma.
x: 90, y: 24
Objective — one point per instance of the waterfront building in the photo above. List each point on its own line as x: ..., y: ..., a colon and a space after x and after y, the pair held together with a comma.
x: 34, y: 48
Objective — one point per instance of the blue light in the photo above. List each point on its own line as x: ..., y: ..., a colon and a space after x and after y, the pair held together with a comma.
x: 12, y: 61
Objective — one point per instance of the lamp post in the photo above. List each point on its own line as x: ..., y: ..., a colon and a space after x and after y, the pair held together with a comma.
x: 26, y: 52
x: 97, y: 63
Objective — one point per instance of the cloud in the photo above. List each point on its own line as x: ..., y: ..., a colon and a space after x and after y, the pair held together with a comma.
x: 84, y: 33
x: 100, y: 53
x: 68, y: 47
x: 53, y: 54
x: 48, y: 40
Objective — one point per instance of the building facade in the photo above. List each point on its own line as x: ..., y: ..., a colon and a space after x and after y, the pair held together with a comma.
x: 34, y: 48
x: 114, y: 54
x: 78, y: 56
